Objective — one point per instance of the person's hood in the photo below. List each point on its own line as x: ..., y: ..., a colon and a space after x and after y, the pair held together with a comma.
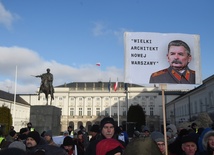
x: 206, y: 137
x: 200, y: 143
x: 173, y: 128
x: 142, y: 146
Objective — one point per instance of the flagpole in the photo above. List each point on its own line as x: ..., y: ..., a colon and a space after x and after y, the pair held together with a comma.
x: 110, y: 104
x: 109, y: 88
x: 118, y: 104
x: 14, y: 103
x: 118, y: 112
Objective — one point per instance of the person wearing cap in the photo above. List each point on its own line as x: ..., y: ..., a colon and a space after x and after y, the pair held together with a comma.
x: 95, y: 132
x: 146, y: 131
x: 107, y: 127
x: 32, y: 141
x: 23, y: 132
x: 68, y: 145
x: 158, y: 137
x: 189, y: 145
x: 49, y: 138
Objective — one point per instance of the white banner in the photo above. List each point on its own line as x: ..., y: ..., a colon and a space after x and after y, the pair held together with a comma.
x: 148, y: 59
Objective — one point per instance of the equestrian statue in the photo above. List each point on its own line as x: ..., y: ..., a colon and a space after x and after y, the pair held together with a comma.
x: 46, y: 85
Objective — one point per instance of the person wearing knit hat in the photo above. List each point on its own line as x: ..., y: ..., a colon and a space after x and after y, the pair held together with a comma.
x: 95, y: 128
x: 146, y: 131
x: 49, y: 138
x: 107, y: 120
x: 107, y: 127
x: 12, y: 133
x: 33, y: 139
x: 23, y: 134
x: 158, y: 137
x: 95, y: 132
x: 18, y: 144
x: 68, y: 145
x: 189, y: 145
x: 109, y: 146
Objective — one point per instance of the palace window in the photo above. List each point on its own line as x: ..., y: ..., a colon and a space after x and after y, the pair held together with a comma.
x: 80, y: 112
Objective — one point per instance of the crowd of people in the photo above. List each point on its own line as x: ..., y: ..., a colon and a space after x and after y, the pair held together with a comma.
x: 109, y: 139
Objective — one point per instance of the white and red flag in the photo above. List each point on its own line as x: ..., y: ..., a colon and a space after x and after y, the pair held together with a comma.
x: 98, y: 64
x: 116, y: 85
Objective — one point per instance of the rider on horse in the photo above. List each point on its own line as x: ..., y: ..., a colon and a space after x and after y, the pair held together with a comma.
x: 46, y: 77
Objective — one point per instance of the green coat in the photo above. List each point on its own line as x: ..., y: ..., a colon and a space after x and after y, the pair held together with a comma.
x: 142, y: 146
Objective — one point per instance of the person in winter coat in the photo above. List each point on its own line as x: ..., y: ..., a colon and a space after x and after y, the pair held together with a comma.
x: 109, y: 146
x: 142, y: 146
x: 95, y: 132
x: 12, y: 151
x: 107, y: 126
x: 68, y: 145
x: 189, y: 145
x: 146, y: 131
x: 201, y: 137
x: 49, y: 138
x: 208, y: 143
x: 158, y: 137
x: 79, y: 142
x: 175, y: 147
x: 122, y: 135
x: 32, y: 142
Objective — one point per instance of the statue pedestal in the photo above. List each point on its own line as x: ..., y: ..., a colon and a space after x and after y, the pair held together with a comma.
x: 46, y: 117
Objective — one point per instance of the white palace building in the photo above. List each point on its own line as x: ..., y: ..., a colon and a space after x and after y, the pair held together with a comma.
x: 86, y: 103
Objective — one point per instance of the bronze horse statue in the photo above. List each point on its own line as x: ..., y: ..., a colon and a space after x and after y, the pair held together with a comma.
x: 47, y: 89
x: 46, y: 86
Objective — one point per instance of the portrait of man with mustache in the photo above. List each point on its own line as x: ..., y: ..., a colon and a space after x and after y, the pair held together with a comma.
x: 178, y: 56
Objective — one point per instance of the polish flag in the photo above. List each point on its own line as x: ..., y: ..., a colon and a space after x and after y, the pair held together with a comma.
x: 115, y: 86
x: 97, y: 64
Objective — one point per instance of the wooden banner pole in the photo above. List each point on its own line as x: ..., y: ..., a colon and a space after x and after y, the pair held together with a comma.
x: 163, y: 87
